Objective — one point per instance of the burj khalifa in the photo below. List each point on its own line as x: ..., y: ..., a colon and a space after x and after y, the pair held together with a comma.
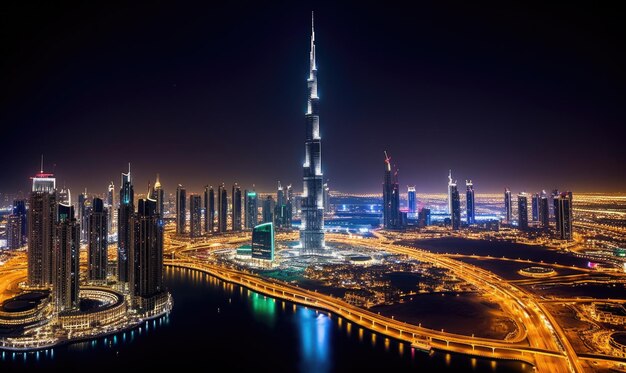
x: 312, y: 227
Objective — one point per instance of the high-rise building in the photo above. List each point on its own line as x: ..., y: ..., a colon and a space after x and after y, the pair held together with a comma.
x: 111, y: 208
x: 41, y: 217
x: 252, y: 209
x: 181, y: 209
x: 563, y: 212
x: 391, y: 197
x: 312, y: 226
x: 455, y: 206
x: 84, y: 208
x: 19, y: 211
x: 236, y: 201
x: 327, y: 209
x: 553, y: 196
x: 282, y: 211
x: 423, y: 217
x: 195, y: 215
x: 268, y: 210
x: 65, y: 273
x: 544, y: 210
x: 522, y: 211
x: 14, y: 231
x: 450, y: 185
x: 98, y: 241
x: 124, y: 226
x: 412, y: 201
x: 159, y: 196
x: 222, y: 208
x: 146, y: 278
x: 508, y: 206
x: 209, y: 209
x: 263, y: 242
x: 535, y: 201
x: 470, y: 202
x: 64, y: 196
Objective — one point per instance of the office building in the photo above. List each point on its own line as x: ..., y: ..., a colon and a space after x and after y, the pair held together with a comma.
x: 455, y: 206
x: 252, y: 209
x: 544, y: 210
x: 111, y: 207
x: 97, y: 260
x: 195, y: 215
x: 222, y: 209
x: 470, y: 202
x: 327, y: 208
x: 534, y: 207
x: 15, y: 240
x: 158, y: 194
x: 563, y: 215
x: 268, y: 210
x: 411, y: 199
x: 522, y: 211
x: 236, y: 210
x: 263, y: 242
x: 508, y: 206
x: 124, y: 226
x: 209, y: 209
x: 41, y: 218
x: 391, y: 197
x: 65, y: 273
x: 181, y: 210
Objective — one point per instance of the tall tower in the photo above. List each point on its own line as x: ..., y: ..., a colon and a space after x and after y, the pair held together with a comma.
x: 252, y: 209
x: 450, y: 185
x: 195, y: 212
x: 159, y: 196
x: 209, y: 209
x: 181, y: 209
x: 563, y: 212
x: 391, y: 197
x: 508, y: 207
x: 222, y: 208
x: 312, y: 229
x: 469, y: 199
x: 544, y: 210
x: 455, y: 207
x: 412, y: 201
x: 111, y: 208
x: 98, y: 241
x: 124, y: 226
x: 236, y: 200
x: 65, y: 260
x: 535, y: 206
x: 522, y: 211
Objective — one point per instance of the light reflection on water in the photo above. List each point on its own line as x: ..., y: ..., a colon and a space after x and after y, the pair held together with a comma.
x: 314, y: 333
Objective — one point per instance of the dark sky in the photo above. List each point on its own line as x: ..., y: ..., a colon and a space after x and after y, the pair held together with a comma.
x: 525, y: 96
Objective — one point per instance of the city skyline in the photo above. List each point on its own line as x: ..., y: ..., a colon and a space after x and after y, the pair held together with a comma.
x: 134, y: 87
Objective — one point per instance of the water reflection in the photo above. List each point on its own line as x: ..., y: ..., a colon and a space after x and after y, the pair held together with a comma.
x: 314, y: 331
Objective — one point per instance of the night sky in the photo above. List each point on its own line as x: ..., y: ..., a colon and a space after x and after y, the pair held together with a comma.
x: 518, y: 95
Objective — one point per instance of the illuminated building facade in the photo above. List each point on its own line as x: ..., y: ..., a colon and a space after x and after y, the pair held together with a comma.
x: 563, y: 215
x: 263, y: 242
x: 147, y: 253
x: 411, y: 199
x: 282, y: 211
x: 236, y: 201
x: 268, y: 210
x: 181, y: 210
x: 98, y: 242
x: 111, y: 208
x: 522, y: 211
x: 508, y: 206
x: 534, y: 208
x: 251, y: 209
x: 65, y: 274
x: 195, y: 215
x: 544, y: 210
x: 455, y: 207
x: 124, y: 227
x: 19, y: 208
x: 222, y: 209
x: 41, y: 217
x: 312, y: 227
x: 470, y: 202
x: 14, y: 231
x: 391, y: 197
x: 209, y: 209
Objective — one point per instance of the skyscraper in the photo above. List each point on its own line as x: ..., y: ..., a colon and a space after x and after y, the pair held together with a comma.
x: 146, y: 278
x: 124, y: 226
x: 19, y: 209
x: 181, y: 209
x: 252, y: 209
x: 412, y: 201
x: 222, y: 208
x: 41, y: 217
x: 282, y: 213
x: 455, y: 206
x: 470, y: 202
x: 327, y: 209
x: 65, y: 273
x: 84, y: 206
x: 14, y: 231
x: 508, y: 206
x: 159, y: 196
x: 111, y: 208
x: 209, y: 209
x: 195, y: 215
x: 450, y: 185
x: 391, y: 197
x: 98, y: 241
x: 263, y: 242
x: 268, y: 210
x: 563, y: 212
x: 64, y: 196
x: 535, y: 206
x: 522, y: 211
x: 236, y: 201
x: 544, y: 210
x: 312, y: 227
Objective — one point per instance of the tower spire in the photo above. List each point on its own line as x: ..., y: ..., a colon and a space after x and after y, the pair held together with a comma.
x: 41, y: 169
x: 313, y: 64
